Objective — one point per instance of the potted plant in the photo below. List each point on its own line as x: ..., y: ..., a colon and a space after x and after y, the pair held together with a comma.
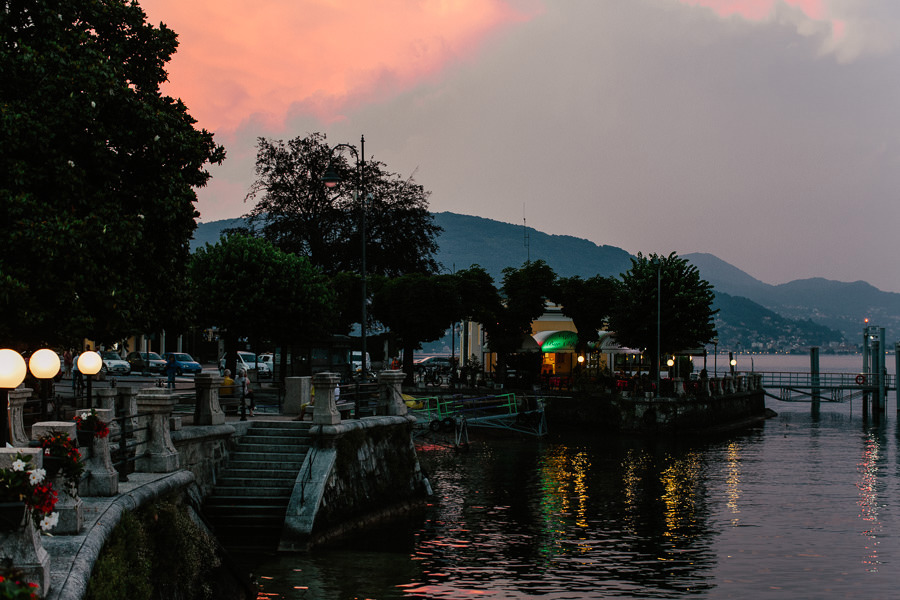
x: 24, y: 490
x: 90, y: 426
x: 61, y: 455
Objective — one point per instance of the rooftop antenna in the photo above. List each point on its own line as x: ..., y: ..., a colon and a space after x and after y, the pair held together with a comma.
x: 527, y: 237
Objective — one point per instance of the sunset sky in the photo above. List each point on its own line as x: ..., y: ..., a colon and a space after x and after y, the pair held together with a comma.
x: 766, y: 132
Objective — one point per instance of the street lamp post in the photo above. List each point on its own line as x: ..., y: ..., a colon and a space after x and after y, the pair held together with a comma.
x: 331, y: 179
x: 658, y: 264
x: 12, y: 373
x: 44, y: 365
x: 90, y: 363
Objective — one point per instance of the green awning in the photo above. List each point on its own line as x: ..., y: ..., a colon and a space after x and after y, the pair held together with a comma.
x: 556, y: 341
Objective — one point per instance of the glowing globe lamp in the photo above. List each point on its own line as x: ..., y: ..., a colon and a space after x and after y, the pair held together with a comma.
x: 89, y: 363
x: 12, y: 373
x: 44, y: 364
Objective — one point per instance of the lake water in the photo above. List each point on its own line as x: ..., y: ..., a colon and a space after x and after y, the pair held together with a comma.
x: 799, y: 507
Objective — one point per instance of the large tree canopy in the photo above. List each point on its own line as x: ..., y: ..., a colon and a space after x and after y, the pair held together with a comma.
x: 588, y: 303
x: 100, y: 171
x: 297, y: 213
x: 670, y: 289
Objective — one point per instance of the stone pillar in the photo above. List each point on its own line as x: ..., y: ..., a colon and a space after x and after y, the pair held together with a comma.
x: 22, y: 546
x: 68, y: 504
x: 297, y: 392
x: 17, y: 398
x: 679, y: 387
x: 325, y: 410
x: 160, y: 455
x: 208, y: 411
x: 102, y: 478
x: 106, y: 399
x: 390, y: 395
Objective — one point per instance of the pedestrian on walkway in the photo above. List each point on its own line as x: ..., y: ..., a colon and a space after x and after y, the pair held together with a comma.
x: 243, y: 384
x: 171, y: 370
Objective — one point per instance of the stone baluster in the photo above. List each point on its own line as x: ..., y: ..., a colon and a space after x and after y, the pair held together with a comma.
x: 207, y: 410
x: 128, y: 415
x: 68, y: 503
x: 160, y: 455
x: 102, y: 478
x: 297, y: 392
x: 390, y: 394
x: 106, y: 399
x: 325, y: 410
x: 17, y: 398
x: 727, y: 385
x: 22, y: 546
x: 679, y: 387
x: 741, y: 383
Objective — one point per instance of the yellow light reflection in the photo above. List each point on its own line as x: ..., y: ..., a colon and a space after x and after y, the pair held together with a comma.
x: 733, y: 481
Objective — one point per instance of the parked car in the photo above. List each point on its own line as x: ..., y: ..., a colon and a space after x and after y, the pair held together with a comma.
x: 247, y: 361
x: 146, y: 361
x: 429, y: 363
x: 114, y: 364
x: 269, y: 359
x: 185, y: 362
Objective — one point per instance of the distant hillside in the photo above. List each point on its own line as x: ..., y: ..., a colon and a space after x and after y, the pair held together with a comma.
x: 494, y: 245
x: 835, y: 304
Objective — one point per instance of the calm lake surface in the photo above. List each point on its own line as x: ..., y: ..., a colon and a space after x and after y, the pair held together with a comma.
x: 800, y: 507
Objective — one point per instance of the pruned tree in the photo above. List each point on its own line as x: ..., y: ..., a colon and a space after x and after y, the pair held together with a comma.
x: 588, y: 303
x: 664, y: 292
x: 100, y: 172
x: 417, y: 308
x: 249, y: 288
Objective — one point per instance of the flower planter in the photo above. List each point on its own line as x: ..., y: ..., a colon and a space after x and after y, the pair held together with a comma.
x: 12, y: 515
x: 85, y: 438
x: 52, y: 465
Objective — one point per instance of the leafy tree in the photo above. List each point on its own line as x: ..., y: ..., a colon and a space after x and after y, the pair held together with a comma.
x: 685, y: 306
x: 100, y: 171
x: 524, y: 298
x: 251, y: 289
x: 588, y: 303
x: 297, y: 213
x: 417, y: 308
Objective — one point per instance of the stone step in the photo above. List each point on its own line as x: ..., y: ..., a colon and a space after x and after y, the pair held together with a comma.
x: 283, y: 491
x: 254, y: 477
x: 251, y: 538
x: 295, y: 425
x: 276, y: 440
x: 243, y: 507
x: 261, y: 467
x: 267, y: 454
x: 299, y: 448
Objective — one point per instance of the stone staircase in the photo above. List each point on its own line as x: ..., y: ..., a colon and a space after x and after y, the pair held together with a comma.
x: 247, y: 507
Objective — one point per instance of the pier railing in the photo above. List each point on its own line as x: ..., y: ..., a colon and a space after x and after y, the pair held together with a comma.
x: 847, y: 381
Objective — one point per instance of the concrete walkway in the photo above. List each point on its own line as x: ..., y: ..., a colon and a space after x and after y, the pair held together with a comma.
x: 72, y: 557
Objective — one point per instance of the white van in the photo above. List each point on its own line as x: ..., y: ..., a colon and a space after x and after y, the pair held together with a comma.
x: 247, y: 361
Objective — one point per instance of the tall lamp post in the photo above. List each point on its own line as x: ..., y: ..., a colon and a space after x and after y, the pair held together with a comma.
x: 331, y: 179
x: 12, y: 373
x: 658, y: 265
x: 44, y: 365
x: 89, y: 363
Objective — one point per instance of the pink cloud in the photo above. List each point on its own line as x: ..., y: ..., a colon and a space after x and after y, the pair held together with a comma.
x: 269, y: 58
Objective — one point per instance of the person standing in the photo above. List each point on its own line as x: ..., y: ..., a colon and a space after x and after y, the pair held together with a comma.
x: 243, y: 385
x: 171, y: 370
x: 68, y: 362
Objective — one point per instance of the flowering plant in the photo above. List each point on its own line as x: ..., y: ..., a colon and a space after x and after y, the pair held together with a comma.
x: 13, y: 588
x: 89, y: 421
x: 21, y: 484
x: 60, y: 447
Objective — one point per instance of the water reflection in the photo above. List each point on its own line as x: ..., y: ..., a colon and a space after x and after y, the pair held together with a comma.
x: 803, y: 507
